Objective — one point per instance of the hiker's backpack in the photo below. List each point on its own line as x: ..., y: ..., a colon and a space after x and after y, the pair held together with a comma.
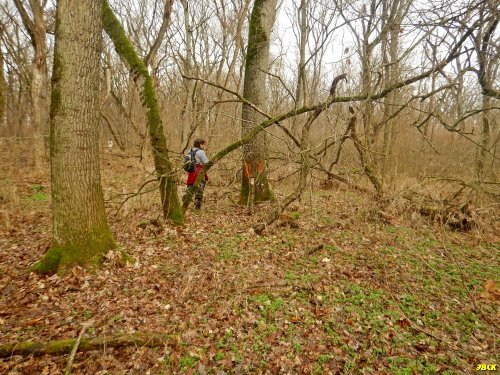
x: 190, y: 161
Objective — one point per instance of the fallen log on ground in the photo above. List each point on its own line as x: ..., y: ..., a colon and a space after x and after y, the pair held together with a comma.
x: 151, y: 340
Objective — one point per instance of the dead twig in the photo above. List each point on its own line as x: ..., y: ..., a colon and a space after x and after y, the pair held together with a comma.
x: 75, y: 347
x: 315, y: 249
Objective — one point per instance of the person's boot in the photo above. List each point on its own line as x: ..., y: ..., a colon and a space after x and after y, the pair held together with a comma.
x: 196, y: 203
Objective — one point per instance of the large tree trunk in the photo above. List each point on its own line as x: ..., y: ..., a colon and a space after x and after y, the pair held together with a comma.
x: 166, y: 176
x: 80, y: 231
x: 254, y: 90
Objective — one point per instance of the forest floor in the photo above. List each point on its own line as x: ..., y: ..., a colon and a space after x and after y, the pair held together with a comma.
x: 334, y: 288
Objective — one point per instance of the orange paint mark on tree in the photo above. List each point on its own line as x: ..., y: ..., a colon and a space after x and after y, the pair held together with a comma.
x: 259, y: 167
x: 248, y: 169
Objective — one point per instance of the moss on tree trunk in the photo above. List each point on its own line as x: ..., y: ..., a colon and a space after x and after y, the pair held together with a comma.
x: 88, y: 252
x: 81, y: 235
x: 254, y: 90
x: 166, y: 177
x: 255, y: 172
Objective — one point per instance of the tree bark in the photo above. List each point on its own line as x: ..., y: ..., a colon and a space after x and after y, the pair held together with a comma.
x: 3, y: 87
x: 187, y: 107
x: 167, y: 12
x: 81, y: 235
x: 390, y: 47
x: 484, y: 138
x: 170, y: 203
x: 39, y: 75
x: 300, y: 90
x: 486, y: 74
x: 254, y: 90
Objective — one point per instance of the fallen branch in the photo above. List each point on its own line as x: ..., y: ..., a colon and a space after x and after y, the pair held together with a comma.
x: 75, y: 347
x: 315, y: 249
x: 151, y: 340
x: 305, y: 154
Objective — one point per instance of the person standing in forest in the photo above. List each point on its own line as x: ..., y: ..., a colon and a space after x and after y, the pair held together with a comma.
x: 200, y: 159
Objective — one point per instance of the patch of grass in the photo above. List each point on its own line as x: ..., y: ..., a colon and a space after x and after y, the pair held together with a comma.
x: 378, y: 352
x: 408, y: 304
x: 269, y: 302
x: 229, y: 249
x: 219, y: 356
x: 277, y: 304
x: 225, y: 341
x: 349, y: 365
x: 114, y: 319
x: 310, y: 278
x: 237, y: 357
x: 38, y: 194
x: 188, y: 361
x: 432, y: 318
x: 290, y: 276
x: 331, y: 333
x: 260, y: 347
x: 166, y: 364
x: 409, y: 366
x: 322, y: 359
x: 332, y: 249
x: 220, y: 344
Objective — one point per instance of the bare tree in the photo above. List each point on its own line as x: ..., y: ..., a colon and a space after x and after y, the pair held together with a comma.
x: 488, y: 66
x: 2, y: 82
x: 393, y: 13
x: 18, y: 67
x: 36, y: 29
x: 301, y: 79
x: 186, y: 114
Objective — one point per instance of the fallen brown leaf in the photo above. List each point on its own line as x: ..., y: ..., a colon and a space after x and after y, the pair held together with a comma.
x: 491, y: 291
